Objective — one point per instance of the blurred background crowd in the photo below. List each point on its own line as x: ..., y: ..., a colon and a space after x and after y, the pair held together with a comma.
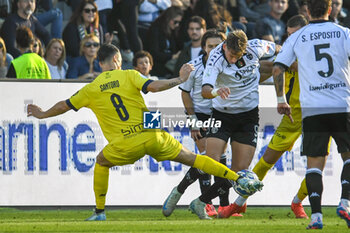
x: 61, y: 38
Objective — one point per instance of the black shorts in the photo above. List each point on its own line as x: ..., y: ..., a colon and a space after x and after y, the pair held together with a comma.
x: 318, y: 129
x: 240, y: 127
x: 203, y: 117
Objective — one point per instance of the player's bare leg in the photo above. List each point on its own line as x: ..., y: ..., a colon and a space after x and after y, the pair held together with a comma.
x: 215, y: 148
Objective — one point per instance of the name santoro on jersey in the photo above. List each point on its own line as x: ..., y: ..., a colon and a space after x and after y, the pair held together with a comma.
x: 324, y: 74
x: 242, y: 77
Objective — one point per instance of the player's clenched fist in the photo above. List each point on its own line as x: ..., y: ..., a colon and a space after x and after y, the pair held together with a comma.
x: 185, y: 71
x: 223, y: 92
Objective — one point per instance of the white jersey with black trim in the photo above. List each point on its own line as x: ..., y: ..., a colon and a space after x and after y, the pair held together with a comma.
x: 193, y: 85
x: 323, y: 50
x: 242, y: 77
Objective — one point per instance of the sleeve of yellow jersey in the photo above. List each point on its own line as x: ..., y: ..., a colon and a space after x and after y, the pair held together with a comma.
x: 140, y: 81
x: 79, y: 99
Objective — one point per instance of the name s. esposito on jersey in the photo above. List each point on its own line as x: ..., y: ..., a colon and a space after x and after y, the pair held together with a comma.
x: 321, y: 35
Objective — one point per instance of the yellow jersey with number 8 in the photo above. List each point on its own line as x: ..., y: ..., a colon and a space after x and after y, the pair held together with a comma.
x: 115, y: 98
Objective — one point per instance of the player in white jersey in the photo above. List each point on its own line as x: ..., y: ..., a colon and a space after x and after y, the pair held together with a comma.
x: 197, y: 108
x: 323, y: 50
x: 231, y: 79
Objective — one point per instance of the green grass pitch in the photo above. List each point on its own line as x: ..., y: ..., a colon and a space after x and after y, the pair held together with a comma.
x: 257, y: 219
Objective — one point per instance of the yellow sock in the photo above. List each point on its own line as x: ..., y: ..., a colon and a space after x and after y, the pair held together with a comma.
x: 261, y: 168
x: 101, y: 175
x: 302, y: 192
x: 212, y: 167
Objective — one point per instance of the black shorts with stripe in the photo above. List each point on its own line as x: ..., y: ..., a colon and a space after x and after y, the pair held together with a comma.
x: 240, y: 127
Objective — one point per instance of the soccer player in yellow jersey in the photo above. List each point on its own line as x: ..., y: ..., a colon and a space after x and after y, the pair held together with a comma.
x: 286, y: 134
x: 114, y: 97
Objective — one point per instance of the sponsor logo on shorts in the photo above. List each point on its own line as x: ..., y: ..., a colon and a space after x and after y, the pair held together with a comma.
x: 214, y: 130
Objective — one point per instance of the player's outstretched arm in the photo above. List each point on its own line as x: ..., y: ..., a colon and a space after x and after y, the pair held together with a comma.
x: 58, y: 109
x: 161, y: 85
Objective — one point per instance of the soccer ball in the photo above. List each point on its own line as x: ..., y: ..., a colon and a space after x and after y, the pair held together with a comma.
x: 241, y: 190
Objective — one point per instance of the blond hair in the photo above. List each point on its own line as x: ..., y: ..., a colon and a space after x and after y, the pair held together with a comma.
x: 85, y: 39
x: 237, y: 42
x: 61, y: 60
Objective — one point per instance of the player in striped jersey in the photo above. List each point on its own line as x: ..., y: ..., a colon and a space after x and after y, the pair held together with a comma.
x: 231, y: 79
x: 285, y: 136
x: 197, y: 108
x: 323, y: 50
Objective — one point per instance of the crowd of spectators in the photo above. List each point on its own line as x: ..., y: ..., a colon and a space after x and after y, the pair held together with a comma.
x: 161, y: 34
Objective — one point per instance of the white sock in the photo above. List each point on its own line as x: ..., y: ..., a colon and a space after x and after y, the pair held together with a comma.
x: 296, y: 200
x: 345, y: 203
x: 240, y: 200
x: 315, y: 216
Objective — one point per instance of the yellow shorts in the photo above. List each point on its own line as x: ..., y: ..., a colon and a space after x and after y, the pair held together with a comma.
x: 158, y: 144
x: 285, y: 135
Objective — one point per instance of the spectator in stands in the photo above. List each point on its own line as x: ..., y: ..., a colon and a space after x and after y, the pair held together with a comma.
x: 5, y: 59
x: 55, y: 57
x: 84, y: 21
x: 262, y: 7
x: 336, y: 9
x: 303, y: 10
x: 214, y: 15
x: 161, y: 41
x: 29, y: 65
x: 5, y: 10
x: 23, y: 16
x: 293, y: 9
x: 38, y: 47
x: 196, y: 29
x: 117, y: 34
x: 104, y: 9
x: 182, y: 31
x: 86, y: 66
x: 149, y: 10
x: 271, y: 27
x: 239, y: 21
x: 248, y: 11
x: 47, y: 14
x: 143, y: 63
x: 127, y: 12
x: 74, y: 4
